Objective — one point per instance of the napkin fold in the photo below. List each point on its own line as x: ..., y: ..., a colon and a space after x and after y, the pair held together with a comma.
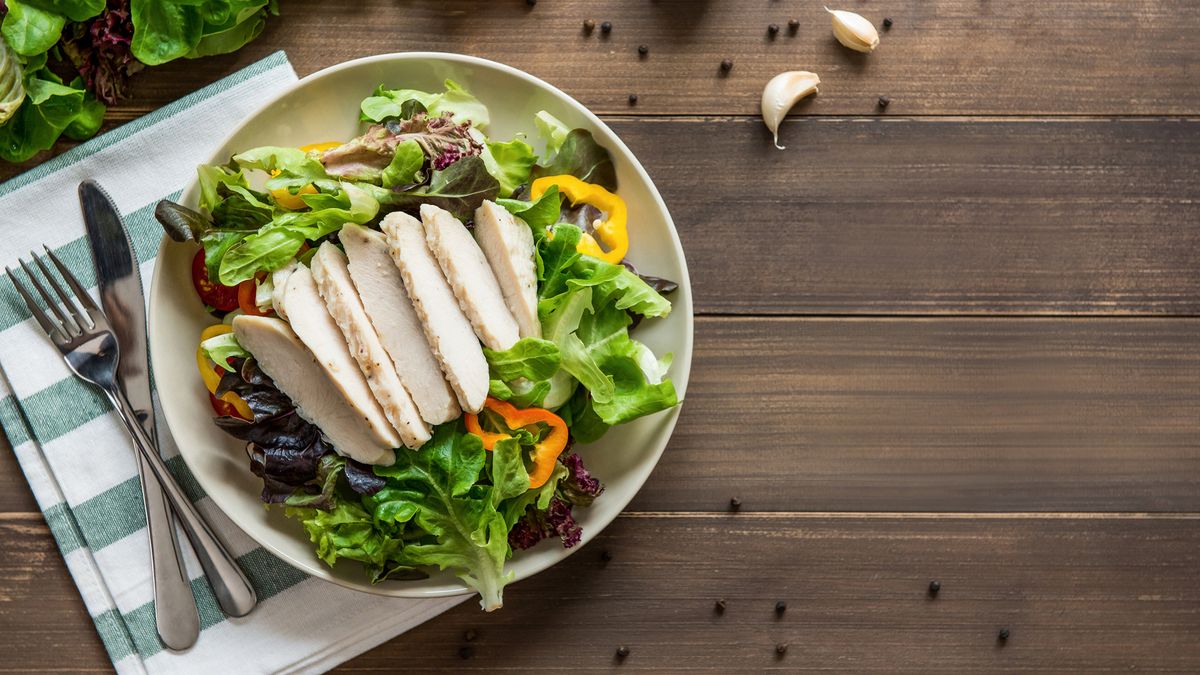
x: 76, y: 455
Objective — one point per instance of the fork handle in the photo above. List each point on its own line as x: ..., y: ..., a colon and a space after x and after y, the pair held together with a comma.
x: 175, y: 614
x: 232, y: 589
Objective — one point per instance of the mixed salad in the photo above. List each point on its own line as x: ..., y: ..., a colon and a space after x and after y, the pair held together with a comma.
x: 418, y: 326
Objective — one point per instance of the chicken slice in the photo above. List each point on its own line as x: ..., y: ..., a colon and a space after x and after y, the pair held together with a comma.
x: 317, y: 330
x: 507, y: 243
x: 332, y: 274
x: 391, y: 312
x: 285, y: 359
x: 467, y: 270
x: 447, y: 329
x: 279, y: 287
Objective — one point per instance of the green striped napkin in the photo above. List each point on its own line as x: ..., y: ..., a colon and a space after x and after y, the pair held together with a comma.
x: 77, y: 458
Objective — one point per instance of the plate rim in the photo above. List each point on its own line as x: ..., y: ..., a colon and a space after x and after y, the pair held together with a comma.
x: 682, y: 356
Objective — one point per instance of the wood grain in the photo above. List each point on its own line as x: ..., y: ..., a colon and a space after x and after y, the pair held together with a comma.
x: 1084, y: 594
x: 926, y: 415
x: 937, y: 415
x: 932, y: 216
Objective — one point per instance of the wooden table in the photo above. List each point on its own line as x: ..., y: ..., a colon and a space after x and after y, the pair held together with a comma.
x: 956, y: 340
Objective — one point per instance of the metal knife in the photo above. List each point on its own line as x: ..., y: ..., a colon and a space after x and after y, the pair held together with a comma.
x: 120, y: 286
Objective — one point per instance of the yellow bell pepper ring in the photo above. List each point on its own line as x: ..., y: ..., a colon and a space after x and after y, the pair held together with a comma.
x: 292, y: 202
x: 613, y: 232
x: 210, y: 376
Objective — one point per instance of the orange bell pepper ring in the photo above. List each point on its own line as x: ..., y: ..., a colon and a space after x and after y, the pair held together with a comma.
x: 545, y: 452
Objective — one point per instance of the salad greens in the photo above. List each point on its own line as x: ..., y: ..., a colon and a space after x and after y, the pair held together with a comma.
x: 104, y: 41
x: 460, y: 502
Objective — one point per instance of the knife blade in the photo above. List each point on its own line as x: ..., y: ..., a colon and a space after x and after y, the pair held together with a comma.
x: 121, y: 295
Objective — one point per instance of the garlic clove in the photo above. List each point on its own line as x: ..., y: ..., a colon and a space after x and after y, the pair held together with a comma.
x: 781, y: 93
x: 854, y: 31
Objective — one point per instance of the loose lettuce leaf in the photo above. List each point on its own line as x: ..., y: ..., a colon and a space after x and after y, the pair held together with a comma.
x: 12, y: 82
x: 327, y: 213
x: 231, y: 26
x: 220, y: 348
x: 75, y: 10
x: 164, y: 30
x: 441, y: 485
x: 391, y: 103
x: 348, y: 531
x: 211, y: 177
x: 581, y: 156
x: 509, y: 163
x: 30, y: 30
x: 264, y: 251
x: 51, y: 108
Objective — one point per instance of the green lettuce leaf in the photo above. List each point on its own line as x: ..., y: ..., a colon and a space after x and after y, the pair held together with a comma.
x: 348, y: 532
x: 441, y: 485
x: 459, y: 188
x: 12, y: 82
x: 539, y: 214
x: 51, y: 109
x: 531, y: 358
x: 264, y: 251
x: 75, y: 10
x: 462, y: 106
x: 509, y: 163
x: 552, y: 130
x: 581, y: 156
x: 30, y: 30
x: 210, y: 178
x: 405, y: 167
x: 220, y: 348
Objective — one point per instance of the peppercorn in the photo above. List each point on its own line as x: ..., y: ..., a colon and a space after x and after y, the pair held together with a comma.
x: 781, y: 648
x: 726, y: 65
x: 633, y: 99
x: 469, y: 635
x: 719, y: 606
x: 643, y: 50
x: 884, y: 101
x: 622, y: 652
x: 465, y: 653
x: 887, y: 22
x: 735, y: 503
x: 531, y: 3
x: 606, y: 27
x: 793, y: 25
x: 935, y: 586
x: 773, y: 29
x: 1003, y: 634
x: 780, y: 607
x: 589, y: 25
x: 606, y: 556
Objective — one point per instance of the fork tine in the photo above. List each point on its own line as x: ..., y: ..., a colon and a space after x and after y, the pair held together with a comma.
x: 81, y: 318
x: 80, y: 291
x: 69, y: 327
x: 44, y: 321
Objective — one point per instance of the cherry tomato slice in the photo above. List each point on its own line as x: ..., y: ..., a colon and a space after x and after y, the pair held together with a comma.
x: 246, y: 292
x: 218, y: 296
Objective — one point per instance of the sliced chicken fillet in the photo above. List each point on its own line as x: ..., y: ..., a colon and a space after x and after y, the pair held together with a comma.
x: 507, y: 243
x: 447, y: 329
x: 316, y: 329
x: 467, y: 270
x: 332, y: 274
x: 279, y: 287
x: 381, y: 289
x: 284, y: 358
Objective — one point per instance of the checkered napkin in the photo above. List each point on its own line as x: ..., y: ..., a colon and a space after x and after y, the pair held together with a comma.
x: 75, y: 453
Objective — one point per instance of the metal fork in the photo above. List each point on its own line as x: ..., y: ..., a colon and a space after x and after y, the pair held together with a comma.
x: 88, y: 345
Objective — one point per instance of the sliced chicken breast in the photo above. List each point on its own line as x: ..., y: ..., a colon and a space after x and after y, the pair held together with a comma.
x: 316, y: 329
x: 381, y: 290
x: 447, y: 329
x: 332, y: 274
x: 467, y: 270
x: 279, y: 287
x: 507, y: 243
x: 284, y: 358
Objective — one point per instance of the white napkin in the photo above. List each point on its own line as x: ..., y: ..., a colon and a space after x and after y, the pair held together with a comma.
x: 80, y: 463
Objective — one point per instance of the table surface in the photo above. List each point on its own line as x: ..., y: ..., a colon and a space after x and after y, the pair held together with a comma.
x: 954, y: 340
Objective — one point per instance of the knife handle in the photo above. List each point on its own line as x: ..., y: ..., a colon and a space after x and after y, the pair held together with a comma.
x: 234, y: 593
x: 175, y: 614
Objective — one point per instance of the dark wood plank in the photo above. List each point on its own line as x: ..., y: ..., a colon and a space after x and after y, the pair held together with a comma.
x: 933, y: 216
x: 15, y: 495
x: 43, y: 620
x: 1083, y: 595
x: 937, y: 415
x: 1078, y: 594
x: 925, y: 415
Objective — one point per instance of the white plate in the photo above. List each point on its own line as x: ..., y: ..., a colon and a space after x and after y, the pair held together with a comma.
x: 324, y: 107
